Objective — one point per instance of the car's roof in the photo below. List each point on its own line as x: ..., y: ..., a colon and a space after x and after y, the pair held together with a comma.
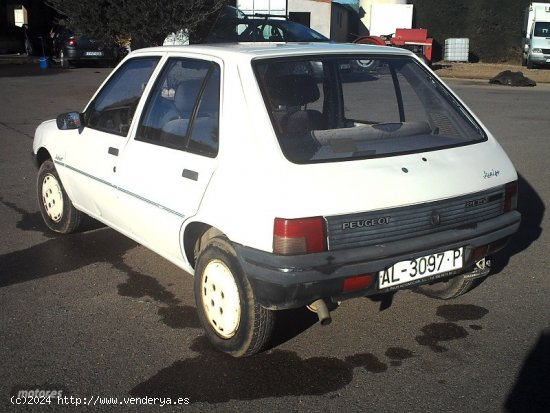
x: 250, y: 51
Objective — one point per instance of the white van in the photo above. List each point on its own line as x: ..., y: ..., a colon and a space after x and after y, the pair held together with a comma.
x: 284, y: 175
x: 536, y: 35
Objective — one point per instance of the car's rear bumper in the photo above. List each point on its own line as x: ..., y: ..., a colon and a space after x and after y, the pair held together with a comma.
x: 281, y: 282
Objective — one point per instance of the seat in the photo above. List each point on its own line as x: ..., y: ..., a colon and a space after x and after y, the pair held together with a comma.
x: 290, y: 95
x: 185, y: 97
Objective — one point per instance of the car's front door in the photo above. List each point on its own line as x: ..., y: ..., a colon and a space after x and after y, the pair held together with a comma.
x: 91, y: 158
x: 165, y: 169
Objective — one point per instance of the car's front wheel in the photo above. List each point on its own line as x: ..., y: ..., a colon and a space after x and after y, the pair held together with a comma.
x: 56, y: 208
x: 234, y: 321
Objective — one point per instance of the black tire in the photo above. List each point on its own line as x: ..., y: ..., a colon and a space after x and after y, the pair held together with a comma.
x: 448, y: 289
x: 245, y: 327
x: 523, y: 61
x: 56, y: 208
x: 529, y: 64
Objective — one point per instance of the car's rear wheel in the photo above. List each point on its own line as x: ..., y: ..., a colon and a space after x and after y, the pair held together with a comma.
x: 234, y: 321
x: 56, y: 208
x: 447, y: 289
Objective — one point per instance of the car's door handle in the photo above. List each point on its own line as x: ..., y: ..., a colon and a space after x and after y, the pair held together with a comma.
x: 189, y: 174
x: 113, y: 151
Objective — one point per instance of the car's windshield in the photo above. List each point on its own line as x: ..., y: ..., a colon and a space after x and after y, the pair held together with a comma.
x: 342, y: 108
x: 542, y: 29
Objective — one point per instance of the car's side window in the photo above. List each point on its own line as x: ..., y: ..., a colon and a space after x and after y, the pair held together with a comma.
x: 183, y: 109
x: 113, y: 108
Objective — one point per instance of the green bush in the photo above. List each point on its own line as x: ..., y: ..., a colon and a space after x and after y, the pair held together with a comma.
x: 494, y: 27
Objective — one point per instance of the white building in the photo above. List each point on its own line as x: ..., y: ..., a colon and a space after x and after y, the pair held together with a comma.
x: 381, y: 17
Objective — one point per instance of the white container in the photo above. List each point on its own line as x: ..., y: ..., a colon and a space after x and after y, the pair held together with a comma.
x: 456, y: 50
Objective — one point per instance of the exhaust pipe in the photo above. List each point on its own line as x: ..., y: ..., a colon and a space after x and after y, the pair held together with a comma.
x: 320, y: 308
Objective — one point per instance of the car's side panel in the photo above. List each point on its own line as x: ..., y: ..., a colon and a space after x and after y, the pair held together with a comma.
x: 86, y: 174
x: 239, y: 193
x: 158, y: 189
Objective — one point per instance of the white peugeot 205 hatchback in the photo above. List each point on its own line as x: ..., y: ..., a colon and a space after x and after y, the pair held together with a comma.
x: 283, y: 176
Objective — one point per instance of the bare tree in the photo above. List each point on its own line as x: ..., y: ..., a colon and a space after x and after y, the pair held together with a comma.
x: 146, y: 22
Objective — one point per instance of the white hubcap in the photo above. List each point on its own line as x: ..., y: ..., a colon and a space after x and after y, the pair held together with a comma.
x: 52, y: 198
x: 220, y: 299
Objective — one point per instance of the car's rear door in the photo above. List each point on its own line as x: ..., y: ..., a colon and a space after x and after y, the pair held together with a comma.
x: 165, y: 169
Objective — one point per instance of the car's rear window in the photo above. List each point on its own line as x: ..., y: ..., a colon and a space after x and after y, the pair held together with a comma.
x: 341, y: 108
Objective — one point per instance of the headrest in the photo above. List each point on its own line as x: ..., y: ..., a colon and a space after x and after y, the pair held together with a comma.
x: 186, y: 94
x: 293, y: 90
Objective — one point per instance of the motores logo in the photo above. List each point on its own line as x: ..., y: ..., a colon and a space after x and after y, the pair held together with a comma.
x: 362, y: 223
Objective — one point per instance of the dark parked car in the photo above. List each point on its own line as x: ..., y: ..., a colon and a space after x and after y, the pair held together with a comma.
x: 73, y: 49
x: 234, y: 26
x: 262, y: 30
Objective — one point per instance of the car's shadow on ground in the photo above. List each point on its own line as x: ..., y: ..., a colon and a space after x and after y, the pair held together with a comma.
x: 284, y: 373
x: 290, y: 324
x: 532, y: 209
x: 532, y: 387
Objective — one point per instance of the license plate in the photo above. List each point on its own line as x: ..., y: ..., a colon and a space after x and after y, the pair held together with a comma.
x: 411, y: 270
x: 94, y: 53
x: 547, y: 60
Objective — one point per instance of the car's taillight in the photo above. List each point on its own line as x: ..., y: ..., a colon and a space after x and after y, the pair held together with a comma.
x: 299, y: 236
x: 71, y: 42
x: 511, y: 196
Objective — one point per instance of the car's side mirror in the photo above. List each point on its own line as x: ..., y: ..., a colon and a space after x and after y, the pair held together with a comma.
x: 69, y: 120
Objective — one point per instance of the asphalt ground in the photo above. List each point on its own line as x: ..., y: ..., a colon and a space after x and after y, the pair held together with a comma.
x: 98, y: 317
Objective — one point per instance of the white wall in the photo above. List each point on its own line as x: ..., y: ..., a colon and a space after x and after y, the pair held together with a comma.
x: 386, y: 18
x: 20, y: 16
x: 319, y: 10
x: 365, y: 6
